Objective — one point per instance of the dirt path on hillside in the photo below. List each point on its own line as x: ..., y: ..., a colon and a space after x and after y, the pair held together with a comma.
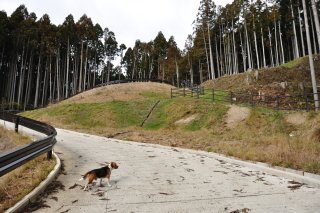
x: 235, y: 115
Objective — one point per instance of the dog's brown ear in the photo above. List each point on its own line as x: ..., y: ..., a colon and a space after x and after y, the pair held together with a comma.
x: 114, y: 165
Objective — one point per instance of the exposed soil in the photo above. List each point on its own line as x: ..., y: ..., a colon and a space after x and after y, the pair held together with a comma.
x: 297, y: 118
x: 235, y: 115
x: 186, y: 120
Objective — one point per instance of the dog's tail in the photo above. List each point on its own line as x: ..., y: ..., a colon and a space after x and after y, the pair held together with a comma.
x: 84, y: 176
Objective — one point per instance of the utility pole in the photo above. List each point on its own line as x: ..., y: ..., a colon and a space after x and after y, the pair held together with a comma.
x: 313, y: 76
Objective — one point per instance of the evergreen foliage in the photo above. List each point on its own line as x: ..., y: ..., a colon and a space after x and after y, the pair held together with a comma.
x: 42, y: 63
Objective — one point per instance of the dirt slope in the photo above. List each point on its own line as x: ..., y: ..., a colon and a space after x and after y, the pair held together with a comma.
x: 235, y: 115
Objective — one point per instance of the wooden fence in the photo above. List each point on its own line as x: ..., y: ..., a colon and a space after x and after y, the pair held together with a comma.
x: 279, y: 102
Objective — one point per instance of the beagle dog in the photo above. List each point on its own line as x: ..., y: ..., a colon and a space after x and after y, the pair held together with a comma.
x: 103, y: 172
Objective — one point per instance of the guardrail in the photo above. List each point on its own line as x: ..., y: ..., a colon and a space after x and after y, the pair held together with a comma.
x: 12, y: 159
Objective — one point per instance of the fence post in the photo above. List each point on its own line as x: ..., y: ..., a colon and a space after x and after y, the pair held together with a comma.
x: 231, y: 94
x: 305, y: 96
x: 212, y: 95
x: 171, y: 93
x: 49, y: 153
x: 16, y: 127
x: 251, y: 100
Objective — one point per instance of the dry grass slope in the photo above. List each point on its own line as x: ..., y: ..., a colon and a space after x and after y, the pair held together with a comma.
x: 10, y: 139
x: 120, y: 92
x: 295, y: 74
x: 19, y: 182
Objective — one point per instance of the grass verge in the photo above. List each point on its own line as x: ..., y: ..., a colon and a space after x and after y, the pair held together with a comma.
x: 21, y: 181
x: 10, y: 139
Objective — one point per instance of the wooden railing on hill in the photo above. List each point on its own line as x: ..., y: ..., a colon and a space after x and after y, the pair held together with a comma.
x: 133, y: 80
x: 278, y: 102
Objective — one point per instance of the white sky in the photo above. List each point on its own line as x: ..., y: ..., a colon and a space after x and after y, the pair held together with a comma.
x: 128, y: 19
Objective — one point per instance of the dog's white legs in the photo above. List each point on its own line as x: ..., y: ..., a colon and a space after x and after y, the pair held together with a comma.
x: 85, y: 187
x: 100, y: 182
x: 108, y: 182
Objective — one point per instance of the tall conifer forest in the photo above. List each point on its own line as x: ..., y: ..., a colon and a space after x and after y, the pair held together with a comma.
x: 41, y: 63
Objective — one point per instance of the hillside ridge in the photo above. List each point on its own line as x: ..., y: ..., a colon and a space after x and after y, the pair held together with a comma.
x: 291, y: 78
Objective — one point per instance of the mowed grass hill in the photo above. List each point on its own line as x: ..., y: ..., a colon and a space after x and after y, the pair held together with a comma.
x: 145, y: 112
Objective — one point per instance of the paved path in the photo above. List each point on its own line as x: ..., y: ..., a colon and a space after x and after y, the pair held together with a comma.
x: 152, y: 178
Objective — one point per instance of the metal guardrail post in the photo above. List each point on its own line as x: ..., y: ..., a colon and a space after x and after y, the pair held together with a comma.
x: 16, y: 126
x: 49, y: 155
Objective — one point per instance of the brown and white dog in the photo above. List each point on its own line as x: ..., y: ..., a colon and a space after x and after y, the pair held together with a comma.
x: 103, y: 172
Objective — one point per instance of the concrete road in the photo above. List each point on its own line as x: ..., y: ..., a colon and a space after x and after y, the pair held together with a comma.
x: 153, y: 178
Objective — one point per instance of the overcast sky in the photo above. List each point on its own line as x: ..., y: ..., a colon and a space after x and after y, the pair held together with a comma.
x: 128, y: 19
